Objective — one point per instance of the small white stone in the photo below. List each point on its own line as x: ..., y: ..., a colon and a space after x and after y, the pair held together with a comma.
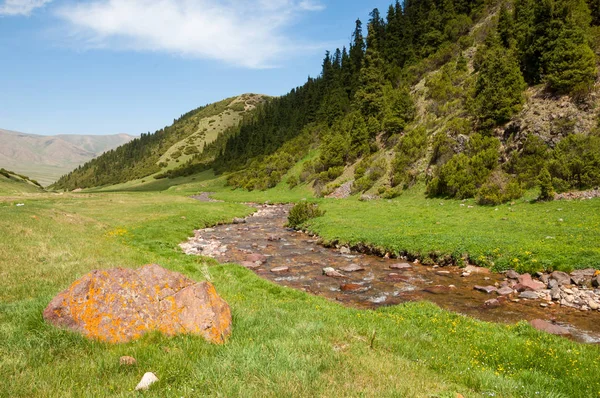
x: 148, y: 379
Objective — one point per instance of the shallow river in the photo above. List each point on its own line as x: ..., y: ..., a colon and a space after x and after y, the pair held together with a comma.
x: 263, y: 237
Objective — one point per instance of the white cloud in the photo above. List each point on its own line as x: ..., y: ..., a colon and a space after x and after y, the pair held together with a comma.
x: 20, y: 7
x: 238, y: 32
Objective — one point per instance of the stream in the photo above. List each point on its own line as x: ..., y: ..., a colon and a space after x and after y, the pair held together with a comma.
x: 296, y: 260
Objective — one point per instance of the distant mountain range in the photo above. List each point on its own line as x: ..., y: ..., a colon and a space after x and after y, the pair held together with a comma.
x: 46, y: 158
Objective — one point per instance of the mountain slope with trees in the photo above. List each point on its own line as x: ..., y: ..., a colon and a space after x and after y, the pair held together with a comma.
x: 472, y: 98
x: 443, y: 93
x: 167, y: 148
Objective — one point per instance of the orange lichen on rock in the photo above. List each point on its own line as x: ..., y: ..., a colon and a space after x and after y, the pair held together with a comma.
x: 120, y: 305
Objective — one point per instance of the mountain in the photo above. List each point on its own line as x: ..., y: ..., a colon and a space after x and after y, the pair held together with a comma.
x: 195, y: 135
x: 470, y: 98
x: 45, y: 158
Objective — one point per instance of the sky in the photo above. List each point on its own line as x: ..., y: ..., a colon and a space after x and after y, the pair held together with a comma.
x: 132, y: 66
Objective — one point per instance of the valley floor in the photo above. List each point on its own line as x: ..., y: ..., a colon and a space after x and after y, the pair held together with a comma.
x: 284, y: 342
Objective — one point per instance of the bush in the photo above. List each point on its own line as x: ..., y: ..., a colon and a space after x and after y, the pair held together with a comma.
x: 546, y: 188
x: 411, y: 148
x: 499, y: 188
x: 190, y: 150
x: 302, y: 212
x: 292, y: 181
x: 238, y: 107
x: 367, y: 173
x: 465, y: 173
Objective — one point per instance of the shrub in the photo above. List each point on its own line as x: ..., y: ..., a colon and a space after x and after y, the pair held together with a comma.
x: 529, y: 162
x: 190, y: 150
x: 546, y: 188
x: 367, y: 173
x: 499, y: 188
x: 292, y: 181
x: 465, y: 173
x: 238, y: 107
x: 411, y: 148
x: 576, y: 162
x: 302, y: 212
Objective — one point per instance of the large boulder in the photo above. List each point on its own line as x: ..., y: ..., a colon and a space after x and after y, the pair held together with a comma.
x: 120, y: 305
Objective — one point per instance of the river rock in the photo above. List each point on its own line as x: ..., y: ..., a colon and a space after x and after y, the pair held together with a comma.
x: 473, y: 269
x: 351, y: 287
x: 280, y: 269
x: 529, y: 284
x: 561, y: 277
x: 512, y: 274
x: 555, y: 293
x: 582, y: 276
x: 120, y: 305
x: 329, y: 271
x: 548, y: 327
x: 397, y: 277
x: 505, y: 291
x: 238, y: 220
x: 250, y: 265
x: 401, y: 266
x: 256, y: 258
x: 492, y: 303
x: 485, y: 289
x: 592, y: 304
x: 345, y: 250
x: 528, y: 295
x: 352, y: 268
x: 437, y: 289
x: 148, y: 379
x: 127, y: 361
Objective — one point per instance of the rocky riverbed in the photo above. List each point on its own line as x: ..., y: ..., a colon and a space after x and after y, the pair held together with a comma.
x: 569, y: 303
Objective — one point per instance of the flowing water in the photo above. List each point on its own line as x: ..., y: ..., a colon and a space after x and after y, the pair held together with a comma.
x: 294, y: 259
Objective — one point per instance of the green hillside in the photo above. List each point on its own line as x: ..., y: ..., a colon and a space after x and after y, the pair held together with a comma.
x: 12, y: 184
x: 167, y: 148
x: 471, y: 98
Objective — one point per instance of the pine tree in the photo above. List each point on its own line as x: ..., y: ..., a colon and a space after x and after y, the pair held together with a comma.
x: 571, y: 65
x: 499, y: 86
x: 506, y: 27
x: 369, y: 97
x: 357, y: 55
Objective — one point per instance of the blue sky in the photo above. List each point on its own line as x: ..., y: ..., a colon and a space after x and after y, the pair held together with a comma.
x: 132, y: 66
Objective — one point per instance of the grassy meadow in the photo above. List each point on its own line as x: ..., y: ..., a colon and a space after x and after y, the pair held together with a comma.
x: 284, y: 342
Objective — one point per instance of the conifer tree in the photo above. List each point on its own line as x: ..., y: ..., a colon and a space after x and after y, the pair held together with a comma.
x: 571, y: 65
x: 369, y: 97
x: 506, y: 27
x: 499, y: 85
x: 357, y: 55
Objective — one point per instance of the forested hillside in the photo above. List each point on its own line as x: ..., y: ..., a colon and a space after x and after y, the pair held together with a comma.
x: 167, y: 148
x: 472, y: 98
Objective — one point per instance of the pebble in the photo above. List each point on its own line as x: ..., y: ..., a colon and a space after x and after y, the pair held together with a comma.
x: 528, y: 295
x: 127, y: 360
x: 148, y: 379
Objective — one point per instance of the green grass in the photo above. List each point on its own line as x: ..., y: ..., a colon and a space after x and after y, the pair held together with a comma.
x: 284, y: 342
x: 526, y: 236
x: 16, y: 185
